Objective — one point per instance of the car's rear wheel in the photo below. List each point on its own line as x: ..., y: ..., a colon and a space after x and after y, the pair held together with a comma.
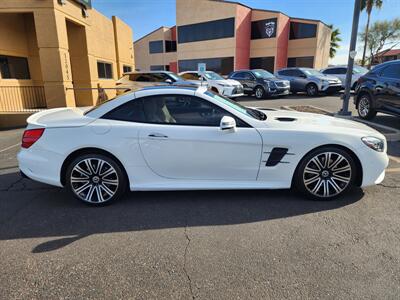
x: 325, y: 173
x: 95, y: 179
x: 364, y: 107
x: 312, y: 90
x: 259, y: 92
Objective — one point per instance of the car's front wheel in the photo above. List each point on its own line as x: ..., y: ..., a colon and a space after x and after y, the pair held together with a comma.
x: 95, y: 179
x: 312, y: 90
x: 259, y: 92
x: 325, y: 173
x: 364, y: 107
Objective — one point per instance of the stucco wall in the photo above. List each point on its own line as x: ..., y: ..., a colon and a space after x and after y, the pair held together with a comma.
x: 57, y: 48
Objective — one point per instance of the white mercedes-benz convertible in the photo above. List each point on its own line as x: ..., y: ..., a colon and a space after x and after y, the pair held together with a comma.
x: 180, y: 138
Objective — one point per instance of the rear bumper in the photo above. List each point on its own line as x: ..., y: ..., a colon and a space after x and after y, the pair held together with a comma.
x: 42, y: 166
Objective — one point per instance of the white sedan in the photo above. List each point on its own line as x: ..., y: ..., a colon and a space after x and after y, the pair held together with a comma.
x: 227, y: 87
x: 181, y: 138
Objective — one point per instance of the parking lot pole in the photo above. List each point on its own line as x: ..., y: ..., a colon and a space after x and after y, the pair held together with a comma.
x: 346, y: 96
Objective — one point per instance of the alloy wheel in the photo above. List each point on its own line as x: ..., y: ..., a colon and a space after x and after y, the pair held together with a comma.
x: 259, y: 93
x: 94, y: 180
x: 327, y: 174
x: 363, y: 107
x: 312, y: 90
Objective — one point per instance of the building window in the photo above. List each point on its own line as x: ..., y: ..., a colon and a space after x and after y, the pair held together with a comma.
x: 104, y: 70
x: 265, y: 63
x: 12, y: 67
x: 212, y: 30
x: 263, y: 29
x: 157, y: 68
x: 222, y: 65
x: 302, y: 30
x: 126, y: 69
x: 166, y: 68
x: 156, y: 47
x: 170, y: 46
x: 301, y: 62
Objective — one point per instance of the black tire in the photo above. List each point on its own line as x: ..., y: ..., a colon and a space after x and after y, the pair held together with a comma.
x: 331, y: 177
x: 365, y: 108
x: 103, y: 186
x: 312, y: 90
x: 259, y: 92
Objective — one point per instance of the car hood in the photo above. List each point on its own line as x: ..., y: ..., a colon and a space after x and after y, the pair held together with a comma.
x: 316, y: 122
x: 60, y: 117
x: 231, y: 82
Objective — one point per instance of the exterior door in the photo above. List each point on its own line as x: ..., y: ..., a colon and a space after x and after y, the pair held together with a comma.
x: 182, y: 140
x: 389, y: 85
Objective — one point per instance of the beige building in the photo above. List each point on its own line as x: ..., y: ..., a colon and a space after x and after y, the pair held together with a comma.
x: 229, y: 36
x: 54, y: 53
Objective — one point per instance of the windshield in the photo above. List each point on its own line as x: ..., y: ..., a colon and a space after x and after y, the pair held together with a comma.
x: 250, y: 112
x: 213, y: 76
x: 360, y: 70
x: 176, y: 77
x: 263, y: 74
x: 312, y: 72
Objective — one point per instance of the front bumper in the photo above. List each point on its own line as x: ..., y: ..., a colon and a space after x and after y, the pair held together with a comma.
x: 233, y: 92
x: 278, y: 91
x: 336, y: 87
x: 373, y: 165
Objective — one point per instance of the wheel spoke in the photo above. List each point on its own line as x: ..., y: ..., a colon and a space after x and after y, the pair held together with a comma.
x: 337, y: 162
x: 326, y: 188
x: 107, y: 173
x: 340, y: 178
x: 110, y: 181
x: 335, y: 186
x: 82, y: 188
x: 100, y: 197
x: 311, y: 180
x: 317, y: 163
x: 106, y: 189
x: 89, y: 195
x: 311, y: 171
x: 80, y: 180
x: 317, y: 186
x: 342, y: 169
x: 82, y: 171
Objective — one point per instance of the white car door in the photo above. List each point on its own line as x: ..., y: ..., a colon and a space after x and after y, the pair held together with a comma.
x: 183, y: 140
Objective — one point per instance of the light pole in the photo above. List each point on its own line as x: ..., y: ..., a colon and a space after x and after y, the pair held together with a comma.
x: 352, y: 53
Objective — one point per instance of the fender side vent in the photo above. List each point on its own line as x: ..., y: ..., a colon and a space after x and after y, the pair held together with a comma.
x: 276, y: 156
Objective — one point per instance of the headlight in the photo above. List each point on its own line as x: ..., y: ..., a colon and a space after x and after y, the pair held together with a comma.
x: 374, y: 143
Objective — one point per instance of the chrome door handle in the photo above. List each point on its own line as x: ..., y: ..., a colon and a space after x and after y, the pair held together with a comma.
x: 158, y: 135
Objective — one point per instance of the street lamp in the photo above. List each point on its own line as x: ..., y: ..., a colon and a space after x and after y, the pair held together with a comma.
x: 352, y: 54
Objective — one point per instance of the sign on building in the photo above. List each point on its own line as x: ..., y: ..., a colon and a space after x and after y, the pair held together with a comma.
x: 201, y: 68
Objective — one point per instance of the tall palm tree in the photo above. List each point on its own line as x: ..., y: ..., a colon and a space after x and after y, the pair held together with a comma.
x: 368, y: 5
x: 335, y: 39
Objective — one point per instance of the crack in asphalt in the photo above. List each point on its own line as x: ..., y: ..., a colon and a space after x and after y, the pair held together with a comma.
x: 389, y: 186
x: 184, y: 263
x: 24, y: 187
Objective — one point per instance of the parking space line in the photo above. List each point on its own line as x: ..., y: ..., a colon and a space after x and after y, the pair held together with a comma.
x: 393, y: 170
x: 8, y: 148
x: 396, y: 159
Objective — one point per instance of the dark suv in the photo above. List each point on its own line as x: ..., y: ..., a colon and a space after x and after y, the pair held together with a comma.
x: 261, y: 83
x: 379, y: 91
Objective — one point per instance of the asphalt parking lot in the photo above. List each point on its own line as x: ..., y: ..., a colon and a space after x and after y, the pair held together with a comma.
x: 200, y: 245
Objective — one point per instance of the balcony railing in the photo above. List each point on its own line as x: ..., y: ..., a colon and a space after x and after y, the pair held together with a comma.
x: 22, y: 98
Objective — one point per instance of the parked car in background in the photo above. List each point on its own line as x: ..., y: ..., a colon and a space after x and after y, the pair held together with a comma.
x: 215, y: 82
x: 341, y: 71
x: 261, y: 83
x: 310, y: 81
x: 379, y: 91
x: 132, y: 81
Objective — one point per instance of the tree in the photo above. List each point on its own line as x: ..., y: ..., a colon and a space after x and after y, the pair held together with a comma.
x: 368, y: 5
x: 380, y: 35
x: 335, y: 39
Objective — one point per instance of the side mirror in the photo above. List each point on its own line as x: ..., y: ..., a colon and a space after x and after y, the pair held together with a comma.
x: 303, y: 76
x: 227, y: 123
x: 169, y: 81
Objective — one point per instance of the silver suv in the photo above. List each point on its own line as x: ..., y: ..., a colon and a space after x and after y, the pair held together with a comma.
x: 310, y: 81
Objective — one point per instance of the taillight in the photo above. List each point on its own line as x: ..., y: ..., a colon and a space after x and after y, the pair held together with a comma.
x: 31, y: 136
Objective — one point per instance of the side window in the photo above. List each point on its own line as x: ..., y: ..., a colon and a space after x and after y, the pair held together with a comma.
x: 285, y: 73
x: 184, y: 110
x: 248, y: 76
x: 142, y: 78
x: 158, y: 77
x: 392, y: 71
x: 297, y: 73
x: 131, y: 111
x: 190, y: 76
x: 341, y: 71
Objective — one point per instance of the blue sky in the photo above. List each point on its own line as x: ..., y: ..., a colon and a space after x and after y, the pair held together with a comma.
x: 146, y: 15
